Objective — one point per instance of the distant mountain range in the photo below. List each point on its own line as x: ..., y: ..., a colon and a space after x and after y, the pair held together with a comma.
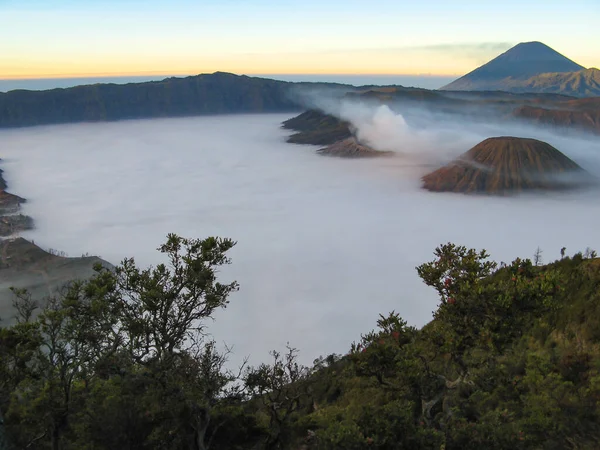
x: 531, y: 67
x: 217, y: 93
x: 528, y: 75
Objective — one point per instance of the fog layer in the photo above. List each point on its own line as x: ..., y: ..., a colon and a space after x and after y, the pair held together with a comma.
x: 324, y: 244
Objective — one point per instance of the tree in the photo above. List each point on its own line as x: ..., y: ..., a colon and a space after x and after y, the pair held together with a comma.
x: 283, y: 389
x: 458, y: 275
x: 165, y: 307
x: 382, y: 354
x: 124, y: 361
x: 479, y: 311
x: 537, y: 257
x: 144, y: 328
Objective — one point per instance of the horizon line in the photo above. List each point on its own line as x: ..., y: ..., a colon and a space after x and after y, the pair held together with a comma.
x: 162, y: 74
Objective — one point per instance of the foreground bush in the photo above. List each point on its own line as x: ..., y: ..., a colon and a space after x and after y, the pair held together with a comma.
x: 511, y: 360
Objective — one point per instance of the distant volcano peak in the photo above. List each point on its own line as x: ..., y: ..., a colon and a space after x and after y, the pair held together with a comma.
x: 534, y: 51
x: 521, y: 62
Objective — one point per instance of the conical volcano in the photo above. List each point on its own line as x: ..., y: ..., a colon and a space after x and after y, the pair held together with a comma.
x: 506, y: 165
x: 522, y: 62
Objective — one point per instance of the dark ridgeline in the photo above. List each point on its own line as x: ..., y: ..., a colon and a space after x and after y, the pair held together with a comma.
x: 225, y: 93
x: 218, y: 93
x: 508, y: 165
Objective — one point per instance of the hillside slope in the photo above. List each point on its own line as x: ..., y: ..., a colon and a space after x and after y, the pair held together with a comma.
x: 509, y: 362
x: 24, y: 265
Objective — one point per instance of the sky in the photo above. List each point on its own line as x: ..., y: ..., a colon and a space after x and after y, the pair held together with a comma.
x: 67, y: 38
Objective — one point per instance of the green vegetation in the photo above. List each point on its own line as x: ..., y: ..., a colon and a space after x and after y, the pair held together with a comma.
x: 511, y: 360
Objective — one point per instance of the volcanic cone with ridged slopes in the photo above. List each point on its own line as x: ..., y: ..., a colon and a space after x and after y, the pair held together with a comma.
x: 505, y: 165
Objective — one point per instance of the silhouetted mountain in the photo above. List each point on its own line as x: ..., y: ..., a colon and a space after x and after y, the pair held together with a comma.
x: 505, y: 165
x: 223, y: 93
x: 520, y: 63
x: 217, y: 93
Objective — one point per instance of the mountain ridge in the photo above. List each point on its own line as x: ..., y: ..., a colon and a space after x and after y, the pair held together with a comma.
x: 583, y: 83
x: 217, y: 93
x: 225, y: 93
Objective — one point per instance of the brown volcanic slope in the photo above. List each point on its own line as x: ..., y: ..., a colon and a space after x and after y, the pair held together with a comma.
x: 583, y: 83
x: 505, y: 165
x: 577, y: 114
x: 351, y: 148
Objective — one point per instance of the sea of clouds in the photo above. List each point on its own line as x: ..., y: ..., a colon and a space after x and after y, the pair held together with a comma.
x: 324, y: 245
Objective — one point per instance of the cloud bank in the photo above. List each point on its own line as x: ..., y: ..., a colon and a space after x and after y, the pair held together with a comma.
x: 324, y: 245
